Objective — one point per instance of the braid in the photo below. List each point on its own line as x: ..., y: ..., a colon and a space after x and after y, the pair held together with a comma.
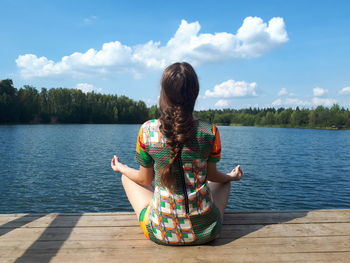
x: 178, y: 95
x: 176, y: 125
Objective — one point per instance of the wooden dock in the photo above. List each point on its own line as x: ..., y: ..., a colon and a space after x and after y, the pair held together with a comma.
x: 247, y: 236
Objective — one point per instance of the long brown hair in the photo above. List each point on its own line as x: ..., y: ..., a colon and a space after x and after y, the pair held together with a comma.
x: 179, y: 91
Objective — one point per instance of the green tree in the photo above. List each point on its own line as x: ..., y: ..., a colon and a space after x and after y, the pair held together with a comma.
x: 283, y: 117
x: 322, y: 117
x: 299, y: 118
x: 44, y: 108
x: 153, y: 112
x: 270, y: 118
x: 337, y: 116
x: 8, y: 101
x: 312, y: 118
x: 28, y: 99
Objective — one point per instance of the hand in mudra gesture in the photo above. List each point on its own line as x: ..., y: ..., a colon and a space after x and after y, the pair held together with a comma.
x: 116, y: 164
x: 236, y: 173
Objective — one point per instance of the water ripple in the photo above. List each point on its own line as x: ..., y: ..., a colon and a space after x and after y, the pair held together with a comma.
x: 66, y: 168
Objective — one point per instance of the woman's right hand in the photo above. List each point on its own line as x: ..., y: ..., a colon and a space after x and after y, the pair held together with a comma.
x: 116, y: 164
x: 236, y: 173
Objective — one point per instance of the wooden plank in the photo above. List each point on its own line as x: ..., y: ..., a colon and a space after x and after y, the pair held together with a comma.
x: 227, y: 212
x: 70, y: 221
x: 285, y: 230
x: 342, y: 216
x: 117, y: 219
x: 254, y: 245
x: 228, y: 231
x: 173, y: 255
x: 69, y: 214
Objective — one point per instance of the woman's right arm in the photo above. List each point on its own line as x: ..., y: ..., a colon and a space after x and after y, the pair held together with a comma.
x: 214, y: 175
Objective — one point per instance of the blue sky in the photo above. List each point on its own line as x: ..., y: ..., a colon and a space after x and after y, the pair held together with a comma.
x: 246, y: 53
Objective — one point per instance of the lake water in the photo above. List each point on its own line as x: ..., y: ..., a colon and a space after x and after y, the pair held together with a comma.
x: 66, y: 168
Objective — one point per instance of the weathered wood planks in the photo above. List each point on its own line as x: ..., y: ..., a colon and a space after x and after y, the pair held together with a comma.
x: 247, y: 236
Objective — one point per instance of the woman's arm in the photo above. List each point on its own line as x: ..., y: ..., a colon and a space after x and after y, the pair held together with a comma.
x: 144, y: 176
x: 216, y: 176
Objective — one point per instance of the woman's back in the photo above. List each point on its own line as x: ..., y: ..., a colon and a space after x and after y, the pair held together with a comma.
x: 186, y: 213
x: 179, y: 153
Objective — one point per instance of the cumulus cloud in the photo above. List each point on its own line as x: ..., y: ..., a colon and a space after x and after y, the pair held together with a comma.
x: 252, y: 39
x: 319, y: 92
x: 86, y: 87
x: 283, y: 92
x: 293, y: 102
x: 296, y: 102
x: 232, y: 88
x: 151, y: 101
x: 345, y: 91
x: 222, y: 103
x: 277, y: 102
x: 316, y: 101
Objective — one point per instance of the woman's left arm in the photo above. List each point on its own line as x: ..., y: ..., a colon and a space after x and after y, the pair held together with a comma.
x: 144, y: 176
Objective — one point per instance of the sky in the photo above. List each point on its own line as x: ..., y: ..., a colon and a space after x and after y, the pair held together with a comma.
x: 246, y: 53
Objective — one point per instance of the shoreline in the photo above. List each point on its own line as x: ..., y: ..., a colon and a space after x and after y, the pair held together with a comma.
x: 287, y: 127
x: 218, y: 124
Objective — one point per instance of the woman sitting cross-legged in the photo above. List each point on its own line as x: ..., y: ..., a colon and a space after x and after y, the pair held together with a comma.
x: 179, y: 152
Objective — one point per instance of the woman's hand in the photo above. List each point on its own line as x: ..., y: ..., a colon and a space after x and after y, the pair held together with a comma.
x: 115, y: 164
x: 236, y: 174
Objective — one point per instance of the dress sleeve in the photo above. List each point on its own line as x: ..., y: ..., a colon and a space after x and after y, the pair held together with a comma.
x: 142, y: 157
x: 215, y: 154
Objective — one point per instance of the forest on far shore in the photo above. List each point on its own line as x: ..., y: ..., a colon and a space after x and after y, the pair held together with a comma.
x: 61, y: 105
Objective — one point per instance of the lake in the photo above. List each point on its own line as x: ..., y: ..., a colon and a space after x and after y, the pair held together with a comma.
x: 66, y: 168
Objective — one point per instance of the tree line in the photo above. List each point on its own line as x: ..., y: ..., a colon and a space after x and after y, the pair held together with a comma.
x: 320, y: 117
x: 62, y: 105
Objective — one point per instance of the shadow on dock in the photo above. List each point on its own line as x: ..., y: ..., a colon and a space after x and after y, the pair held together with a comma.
x: 239, y: 224
x: 18, y: 222
x: 31, y: 254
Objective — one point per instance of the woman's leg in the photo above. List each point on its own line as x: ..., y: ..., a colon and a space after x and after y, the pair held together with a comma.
x: 220, y: 193
x: 139, y: 196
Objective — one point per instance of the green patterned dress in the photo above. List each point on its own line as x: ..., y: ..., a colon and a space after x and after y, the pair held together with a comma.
x: 187, y: 215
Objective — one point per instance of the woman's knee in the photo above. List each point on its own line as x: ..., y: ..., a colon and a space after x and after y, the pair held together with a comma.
x: 227, y: 186
x: 225, y: 189
x: 220, y: 187
x: 125, y: 180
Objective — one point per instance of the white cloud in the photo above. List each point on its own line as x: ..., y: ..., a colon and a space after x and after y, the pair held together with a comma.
x: 323, y: 101
x: 222, y: 103
x: 231, y: 88
x: 151, y: 101
x: 319, y: 92
x: 253, y: 39
x: 86, y: 87
x: 345, y: 91
x: 283, y: 92
x: 277, y: 102
x: 315, y: 101
x: 90, y: 20
x: 296, y: 102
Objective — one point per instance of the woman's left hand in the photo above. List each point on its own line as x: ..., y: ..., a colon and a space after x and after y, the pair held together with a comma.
x: 115, y: 164
x: 236, y: 174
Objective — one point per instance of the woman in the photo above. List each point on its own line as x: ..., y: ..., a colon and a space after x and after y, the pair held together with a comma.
x: 179, y: 152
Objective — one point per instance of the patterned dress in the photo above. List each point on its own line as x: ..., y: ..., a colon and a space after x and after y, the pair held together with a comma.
x: 186, y: 215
